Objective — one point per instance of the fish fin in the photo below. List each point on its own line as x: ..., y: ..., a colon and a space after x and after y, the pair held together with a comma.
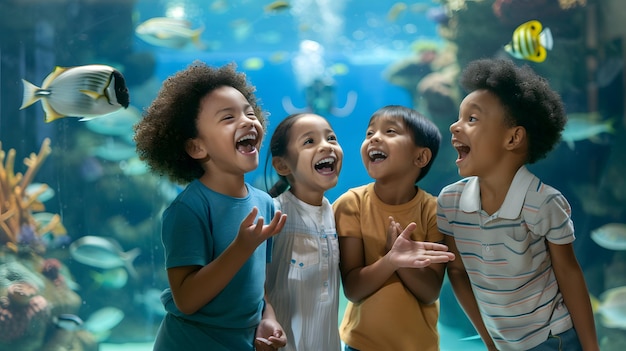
x: 508, y: 48
x: 89, y: 118
x: 570, y: 144
x: 195, y: 38
x: 129, y: 257
x: 545, y: 39
x: 52, y: 76
x: 540, y: 56
x: 29, y: 97
x: 92, y: 94
x: 51, y: 114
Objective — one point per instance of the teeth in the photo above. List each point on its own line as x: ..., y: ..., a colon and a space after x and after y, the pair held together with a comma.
x: 247, y: 137
x: 457, y: 144
x: 377, y: 152
x: 325, y: 160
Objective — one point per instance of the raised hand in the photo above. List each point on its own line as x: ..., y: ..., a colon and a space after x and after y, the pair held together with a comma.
x: 407, y: 253
x: 253, y: 234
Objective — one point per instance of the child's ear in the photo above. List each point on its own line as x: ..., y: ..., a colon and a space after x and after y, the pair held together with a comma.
x: 195, y: 150
x: 516, y: 138
x: 280, y: 166
x: 422, y: 157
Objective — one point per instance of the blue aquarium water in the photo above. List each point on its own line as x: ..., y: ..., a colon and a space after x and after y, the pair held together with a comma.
x: 81, y: 259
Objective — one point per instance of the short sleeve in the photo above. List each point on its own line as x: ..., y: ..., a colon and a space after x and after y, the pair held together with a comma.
x: 553, y: 219
x: 442, y: 209
x: 347, y: 215
x: 433, y: 234
x: 185, y: 237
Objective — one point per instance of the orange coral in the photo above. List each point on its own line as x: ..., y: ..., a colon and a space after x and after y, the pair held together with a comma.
x: 15, y: 206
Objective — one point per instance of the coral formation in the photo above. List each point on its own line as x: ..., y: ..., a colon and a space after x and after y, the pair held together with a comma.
x: 52, y: 270
x: 24, y: 313
x: 17, y: 225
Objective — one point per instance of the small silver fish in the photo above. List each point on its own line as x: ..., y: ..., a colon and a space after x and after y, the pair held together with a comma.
x: 103, y: 320
x: 173, y: 33
x: 83, y: 91
x: 612, y: 308
x: 583, y: 126
x: 610, y: 236
x: 105, y: 253
x: 69, y: 322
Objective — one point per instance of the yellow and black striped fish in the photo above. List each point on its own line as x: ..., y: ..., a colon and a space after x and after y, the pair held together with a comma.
x: 530, y: 42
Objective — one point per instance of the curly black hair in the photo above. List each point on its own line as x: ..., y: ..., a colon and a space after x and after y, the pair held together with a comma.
x: 526, y: 97
x: 170, y: 120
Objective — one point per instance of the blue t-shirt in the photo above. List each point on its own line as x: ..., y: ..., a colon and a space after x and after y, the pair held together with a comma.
x: 197, y: 227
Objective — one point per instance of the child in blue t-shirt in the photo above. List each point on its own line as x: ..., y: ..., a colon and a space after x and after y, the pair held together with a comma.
x: 204, y: 129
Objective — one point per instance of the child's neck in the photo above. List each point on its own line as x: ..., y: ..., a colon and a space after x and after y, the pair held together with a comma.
x: 228, y: 185
x: 310, y: 197
x: 493, y: 189
x: 392, y: 194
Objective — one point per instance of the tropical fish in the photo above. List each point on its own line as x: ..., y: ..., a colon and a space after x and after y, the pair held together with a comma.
x: 396, y: 10
x: 611, y: 307
x: 253, y: 63
x: 277, y: 6
x: 114, y: 150
x: 582, y: 126
x: 610, y: 236
x: 69, y: 322
x: 111, y: 278
x: 105, y: 253
x: 40, y: 191
x: 173, y: 33
x: 117, y: 123
x: 150, y: 299
x: 102, y: 321
x: 133, y: 166
x: 83, y: 91
x: 530, y: 42
x: 49, y: 223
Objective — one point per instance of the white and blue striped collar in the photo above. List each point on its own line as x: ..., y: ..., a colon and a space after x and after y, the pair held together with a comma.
x: 513, y: 203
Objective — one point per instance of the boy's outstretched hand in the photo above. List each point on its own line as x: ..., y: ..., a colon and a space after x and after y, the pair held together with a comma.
x: 253, y: 234
x: 407, y: 253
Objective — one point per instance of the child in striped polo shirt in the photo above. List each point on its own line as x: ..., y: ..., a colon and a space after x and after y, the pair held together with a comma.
x: 518, y: 279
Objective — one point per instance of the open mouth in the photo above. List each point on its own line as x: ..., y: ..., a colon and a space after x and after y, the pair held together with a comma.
x: 325, y: 165
x: 462, y: 149
x: 247, y: 143
x: 377, y: 156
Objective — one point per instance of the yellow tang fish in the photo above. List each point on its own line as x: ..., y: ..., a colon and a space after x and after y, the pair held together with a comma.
x: 83, y: 91
x: 530, y: 42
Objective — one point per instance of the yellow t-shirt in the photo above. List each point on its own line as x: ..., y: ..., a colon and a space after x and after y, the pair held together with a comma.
x: 391, y: 318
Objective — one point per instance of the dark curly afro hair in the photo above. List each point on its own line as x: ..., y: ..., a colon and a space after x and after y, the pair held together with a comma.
x: 170, y: 120
x: 527, y: 98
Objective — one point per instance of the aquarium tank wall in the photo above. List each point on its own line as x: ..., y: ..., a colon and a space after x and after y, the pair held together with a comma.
x: 81, y: 259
